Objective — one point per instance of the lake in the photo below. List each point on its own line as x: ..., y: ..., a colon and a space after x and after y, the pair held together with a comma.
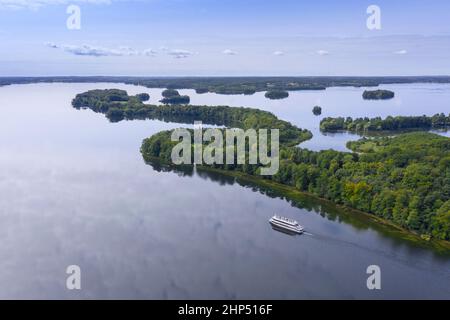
x: 75, y: 190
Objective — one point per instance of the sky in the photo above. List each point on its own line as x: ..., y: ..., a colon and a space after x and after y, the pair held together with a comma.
x: 224, y: 38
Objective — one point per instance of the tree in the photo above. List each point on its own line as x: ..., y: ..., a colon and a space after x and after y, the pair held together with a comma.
x: 413, y: 220
x: 441, y: 222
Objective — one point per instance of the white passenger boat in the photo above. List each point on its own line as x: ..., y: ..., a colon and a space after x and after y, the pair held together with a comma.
x: 286, y: 224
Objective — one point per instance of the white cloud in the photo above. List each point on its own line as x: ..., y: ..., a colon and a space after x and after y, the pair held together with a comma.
x: 179, y: 53
x: 401, y: 52
x: 123, y: 51
x: 278, y: 53
x: 36, y: 4
x: 128, y: 51
x: 323, y: 52
x: 229, y: 52
x: 87, y: 50
x: 93, y: 51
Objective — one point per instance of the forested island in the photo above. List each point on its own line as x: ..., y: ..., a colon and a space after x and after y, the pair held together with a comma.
x: 403, y: 179
x: 378, y: 95
x: 117, y: 105
x: 169, y: 93
x: 276, y: 94
x: 172, y: 96
x: 398, y: 123
x: 317, y: 111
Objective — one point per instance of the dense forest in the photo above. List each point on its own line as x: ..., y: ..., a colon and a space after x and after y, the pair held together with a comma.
x: 378, y: 94
x: 117, y: 106
x: 438, y: 121
x: 236, y: 85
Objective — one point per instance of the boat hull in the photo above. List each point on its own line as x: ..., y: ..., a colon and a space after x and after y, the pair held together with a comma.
x: 286, y: 228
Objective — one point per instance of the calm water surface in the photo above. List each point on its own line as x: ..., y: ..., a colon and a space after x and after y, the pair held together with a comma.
x: 75, y: 190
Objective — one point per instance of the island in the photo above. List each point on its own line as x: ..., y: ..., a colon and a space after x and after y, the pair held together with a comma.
x: 117, y: 105
x: 401, y: 180
x: 172, y: 96
x: 378, y: 95
x: 276, y: 94
x: 317, y: 111
x: 169, y: 93
x: 398, y: 123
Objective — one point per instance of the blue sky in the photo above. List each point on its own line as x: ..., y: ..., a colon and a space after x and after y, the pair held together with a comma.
x: 228, y: 37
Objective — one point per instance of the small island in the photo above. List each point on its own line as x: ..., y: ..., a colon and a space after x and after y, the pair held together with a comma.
x: 172, y: 96
x: 317, y: 111
x: 276, y: 94
x: 378, y: 95
x: 169, y: 93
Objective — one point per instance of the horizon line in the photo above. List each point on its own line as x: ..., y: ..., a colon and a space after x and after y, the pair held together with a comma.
x: 225, y: 76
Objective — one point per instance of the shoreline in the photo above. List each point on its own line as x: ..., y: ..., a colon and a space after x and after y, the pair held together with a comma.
x: 440, y: 247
